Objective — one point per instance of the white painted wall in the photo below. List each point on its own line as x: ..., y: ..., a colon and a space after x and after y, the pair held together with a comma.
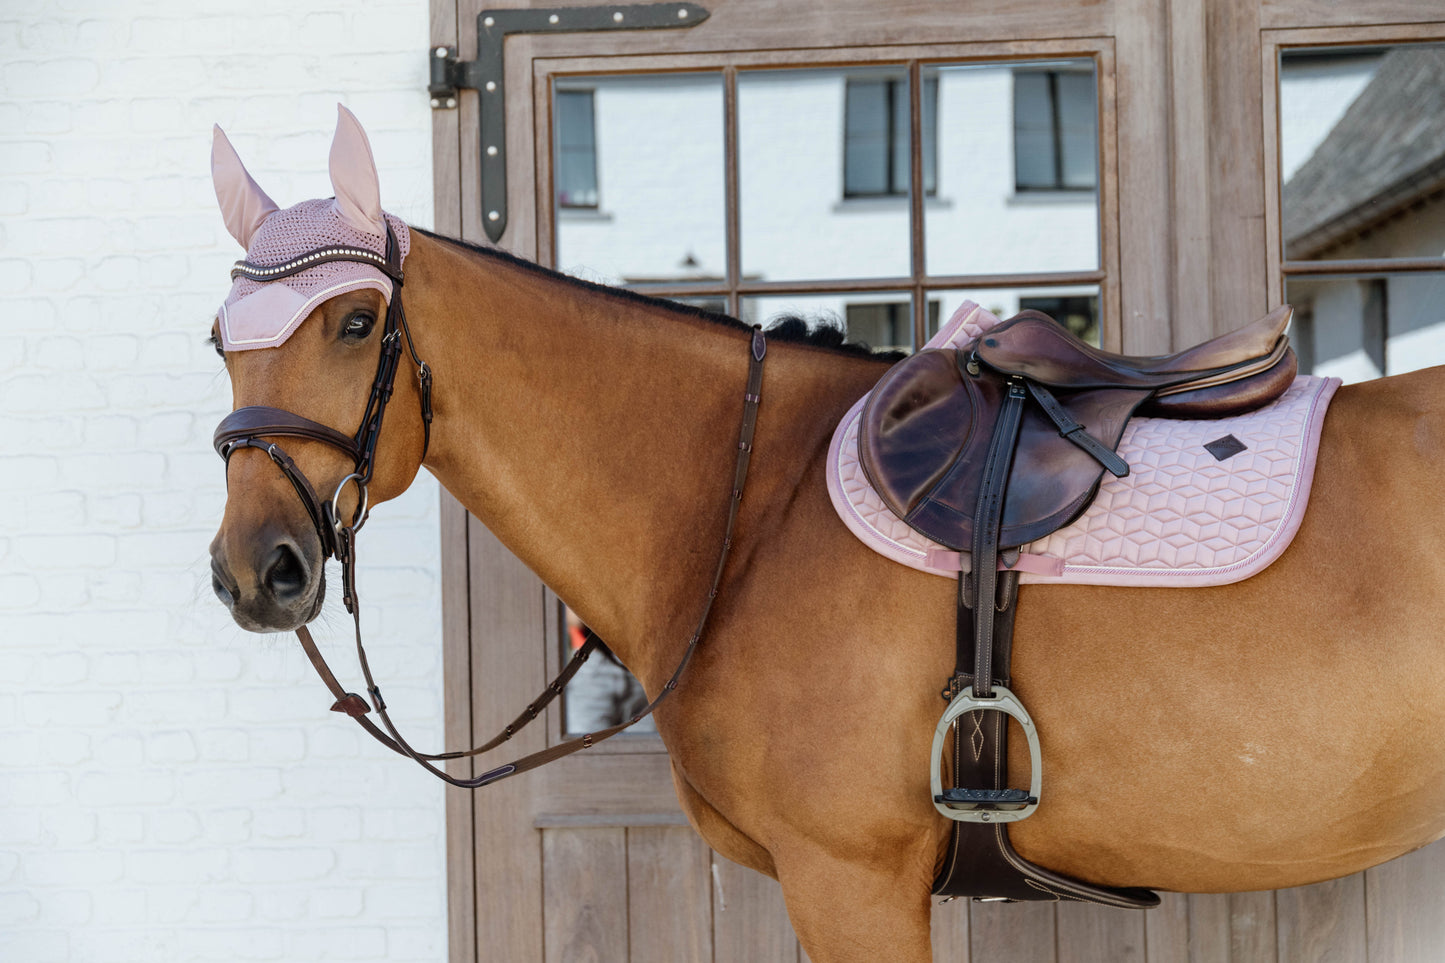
x: 172, y: 788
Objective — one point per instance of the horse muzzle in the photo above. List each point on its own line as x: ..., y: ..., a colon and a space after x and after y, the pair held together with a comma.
x: 271, y: 582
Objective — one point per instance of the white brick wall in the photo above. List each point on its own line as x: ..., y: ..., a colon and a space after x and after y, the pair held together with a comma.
x: 172, y: 788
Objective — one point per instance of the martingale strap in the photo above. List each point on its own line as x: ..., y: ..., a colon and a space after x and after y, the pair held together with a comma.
x: 355, y: 706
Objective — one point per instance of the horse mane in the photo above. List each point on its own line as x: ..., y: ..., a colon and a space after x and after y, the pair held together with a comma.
x: 788, y: 328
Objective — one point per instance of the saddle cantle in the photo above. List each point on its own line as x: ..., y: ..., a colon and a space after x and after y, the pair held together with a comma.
x: 926, y: 429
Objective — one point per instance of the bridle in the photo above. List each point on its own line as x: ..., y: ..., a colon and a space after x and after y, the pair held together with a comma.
x: 252, y: 426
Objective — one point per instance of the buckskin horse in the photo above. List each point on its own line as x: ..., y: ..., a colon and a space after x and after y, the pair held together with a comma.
x: 1268, y: 733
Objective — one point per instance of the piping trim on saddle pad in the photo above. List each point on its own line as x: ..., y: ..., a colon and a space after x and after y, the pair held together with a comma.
x: 1184, y: 516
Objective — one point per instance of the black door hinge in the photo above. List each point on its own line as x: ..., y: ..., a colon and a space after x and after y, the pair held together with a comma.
x: 485, y: 74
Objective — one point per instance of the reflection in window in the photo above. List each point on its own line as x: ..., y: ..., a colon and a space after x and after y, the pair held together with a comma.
x: 576, y: 150
x: 1362, y: 161
x: 1358, y: 328
x: 1079, y: 313
x: 1055, y: 139
x: 602, y: 693
x: 1362, y: 146
x: 875, y: 137
x: 884, y: 325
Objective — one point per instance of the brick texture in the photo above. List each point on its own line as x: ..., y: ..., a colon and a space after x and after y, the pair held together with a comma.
x: 172, y: 788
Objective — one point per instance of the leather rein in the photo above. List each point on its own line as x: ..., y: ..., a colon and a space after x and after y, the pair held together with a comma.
x: 252, y: 426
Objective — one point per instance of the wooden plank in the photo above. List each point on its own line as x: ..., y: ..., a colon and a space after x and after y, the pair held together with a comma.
x: 457, y: 729
x: 825, y: 24
x: 506, y: 607
x: 1192, y: 303
x: 1166, y: 930
x: 1252, y: 931
x: 1318, y: 13
x: 669, y: 895
x: 1143, y: 223
x: 1237, y: 255
x: 1323, y: 923
x: 950, y: 932
x: 607, y: 785
x: 750, y: 922
x: 1402, y: 898
x: 1110, y: 202
x: 1090, y: 934
x: 585, y: 899
x: 1209, y: 930
x: 1014, y: 933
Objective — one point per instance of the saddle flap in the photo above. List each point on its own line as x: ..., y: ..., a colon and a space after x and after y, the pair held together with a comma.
x: 924, y: 435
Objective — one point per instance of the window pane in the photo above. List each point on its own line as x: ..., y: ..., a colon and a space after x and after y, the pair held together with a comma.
x: 576, y: 150
x: 995, y: 136
x: 865, y: 137
x: 1076, y: 307
x: 1357, y: 328
x: 1035, y: 154
x: 658, y: 194
x: 800, y: 215
x: 1078, y: 131
x: 899, y: 120
x: 602, y: 693
x: 1362, y: 152
x: 880, y: 319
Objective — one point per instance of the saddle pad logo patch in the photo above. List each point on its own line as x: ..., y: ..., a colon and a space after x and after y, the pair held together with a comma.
x: 1225, y: 448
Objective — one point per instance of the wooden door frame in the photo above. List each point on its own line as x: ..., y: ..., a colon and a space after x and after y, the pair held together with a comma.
x: 1195, y: 252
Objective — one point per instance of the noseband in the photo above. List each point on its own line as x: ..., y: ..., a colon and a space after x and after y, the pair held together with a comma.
x: 251, y: 426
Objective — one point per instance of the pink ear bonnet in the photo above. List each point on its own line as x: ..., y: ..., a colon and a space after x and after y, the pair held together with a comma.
x: 262, y: 314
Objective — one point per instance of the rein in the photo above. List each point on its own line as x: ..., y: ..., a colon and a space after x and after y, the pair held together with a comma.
x: 249, y: 427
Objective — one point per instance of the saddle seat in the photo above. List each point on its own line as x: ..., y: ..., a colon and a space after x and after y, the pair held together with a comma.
x: 925, y: 432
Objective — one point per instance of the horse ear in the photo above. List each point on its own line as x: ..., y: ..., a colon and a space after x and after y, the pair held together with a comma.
x: 353, y: 175
x: 243, y: 204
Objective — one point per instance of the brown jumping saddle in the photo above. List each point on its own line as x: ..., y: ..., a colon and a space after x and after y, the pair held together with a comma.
x: 988, y: 447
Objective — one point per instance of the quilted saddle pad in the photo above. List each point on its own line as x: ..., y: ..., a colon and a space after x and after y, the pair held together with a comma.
x: 1205, y: 502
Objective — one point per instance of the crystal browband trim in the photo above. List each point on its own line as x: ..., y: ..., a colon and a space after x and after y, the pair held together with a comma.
x: 258, y: 272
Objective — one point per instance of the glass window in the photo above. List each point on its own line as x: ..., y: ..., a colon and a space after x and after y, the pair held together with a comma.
x: 876, y: 157
x: 1362, y: 198
x: 1075, y: 307
x: 1055, y: 130
x: 1363, y: 327
x: 656, y: 211
x: 816, y: 199
x: 576, y: 150
x: 1362, y: 152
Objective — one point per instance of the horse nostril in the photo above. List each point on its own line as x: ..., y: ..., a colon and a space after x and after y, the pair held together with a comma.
x: 222, y: 588
x: 286, y: 576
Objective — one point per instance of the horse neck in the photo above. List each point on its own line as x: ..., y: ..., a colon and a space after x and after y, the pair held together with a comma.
x: 594, y: 435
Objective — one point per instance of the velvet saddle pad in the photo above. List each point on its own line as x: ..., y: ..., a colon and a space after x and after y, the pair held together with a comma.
x: 1205, y: 502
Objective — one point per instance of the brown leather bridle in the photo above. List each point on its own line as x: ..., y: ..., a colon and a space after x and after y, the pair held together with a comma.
x: 251, y: 426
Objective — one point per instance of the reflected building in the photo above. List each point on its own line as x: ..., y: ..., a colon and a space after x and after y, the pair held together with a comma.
x: 1363, y: 164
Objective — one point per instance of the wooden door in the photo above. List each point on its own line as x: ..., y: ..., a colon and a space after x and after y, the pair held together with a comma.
x: 590, y: 858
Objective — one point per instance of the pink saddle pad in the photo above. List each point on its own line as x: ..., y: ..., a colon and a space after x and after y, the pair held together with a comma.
x: 1205, y: 502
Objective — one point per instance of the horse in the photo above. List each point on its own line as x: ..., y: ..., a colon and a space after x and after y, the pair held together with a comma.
x: 1268, y: 733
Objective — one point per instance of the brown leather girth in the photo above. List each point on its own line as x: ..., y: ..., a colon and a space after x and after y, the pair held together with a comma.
x: 980, y: 862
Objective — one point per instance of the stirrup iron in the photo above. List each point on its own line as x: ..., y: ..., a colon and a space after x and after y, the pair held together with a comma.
x: 986, y: 805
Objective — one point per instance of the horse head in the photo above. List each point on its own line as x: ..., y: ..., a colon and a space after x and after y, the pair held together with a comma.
x: 312, y: 334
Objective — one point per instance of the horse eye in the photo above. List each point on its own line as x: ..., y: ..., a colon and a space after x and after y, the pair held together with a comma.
x: 215, y: 342
x: 358, y: 325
